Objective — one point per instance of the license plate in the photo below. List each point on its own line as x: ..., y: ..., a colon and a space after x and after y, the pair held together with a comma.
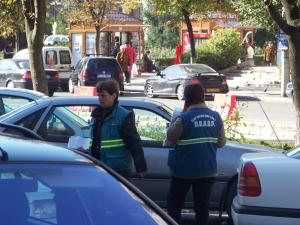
x: 211, y: 90
x: 104, y: 76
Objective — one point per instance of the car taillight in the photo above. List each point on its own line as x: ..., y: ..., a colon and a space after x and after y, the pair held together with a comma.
x: 26, y: 75
x: 194, y: 81
x: 84, y: 74
x: 224, y: 80
x: 249, y: 184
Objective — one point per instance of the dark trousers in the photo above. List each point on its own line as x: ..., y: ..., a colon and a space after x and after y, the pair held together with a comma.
x: 127, y: 76
x: 201, y: 187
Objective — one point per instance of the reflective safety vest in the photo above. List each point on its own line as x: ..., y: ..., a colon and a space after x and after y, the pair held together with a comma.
x: 112, y: 147
x: 195, y: 152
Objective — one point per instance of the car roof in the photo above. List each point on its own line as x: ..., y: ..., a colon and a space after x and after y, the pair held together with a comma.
x: 20, y: 150
x: 98, y: 57
x: 31, y: 94
x: 94, y: 99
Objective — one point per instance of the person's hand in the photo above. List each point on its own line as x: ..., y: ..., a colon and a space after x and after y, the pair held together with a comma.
x: 142, y: 174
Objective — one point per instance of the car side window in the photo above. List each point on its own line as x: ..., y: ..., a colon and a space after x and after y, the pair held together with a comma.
x: 150, y: 126
x: 66, y: 121
x: 8, y: 103
x: 31, y: 120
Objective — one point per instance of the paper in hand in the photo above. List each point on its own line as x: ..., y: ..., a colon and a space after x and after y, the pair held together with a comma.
x: 77, y: 142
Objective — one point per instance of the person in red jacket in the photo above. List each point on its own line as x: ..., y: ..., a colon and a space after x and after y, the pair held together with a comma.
x: 131, y: 53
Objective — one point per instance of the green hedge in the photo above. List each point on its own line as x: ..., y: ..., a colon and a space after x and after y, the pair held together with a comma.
x: 221, y: 51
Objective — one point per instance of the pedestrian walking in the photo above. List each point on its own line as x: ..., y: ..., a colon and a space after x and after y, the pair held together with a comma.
x: 197, y: 133
x: 124, y: 61
x: 249, y: 54
x: 115, y: 140
x: 8, y: 51
x: 269, y: 54
x: 132, y: 55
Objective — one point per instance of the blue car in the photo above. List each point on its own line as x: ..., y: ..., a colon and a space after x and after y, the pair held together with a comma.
x: 44, y: 184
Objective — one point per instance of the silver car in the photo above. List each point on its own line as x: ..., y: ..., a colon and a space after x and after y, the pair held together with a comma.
x: 56, y: 119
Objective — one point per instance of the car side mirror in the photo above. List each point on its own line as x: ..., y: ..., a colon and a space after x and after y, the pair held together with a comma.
x: 72, y: 68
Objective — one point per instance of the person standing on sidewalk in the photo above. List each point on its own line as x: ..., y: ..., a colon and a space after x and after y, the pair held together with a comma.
x: 115, y: 140
x: 131, y: 53
x: 197, y: 133
x: 124, y: 61
x: 269, y: 54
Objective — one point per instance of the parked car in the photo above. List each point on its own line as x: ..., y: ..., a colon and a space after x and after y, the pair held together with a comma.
x: 12, y: 98
x: 269, y: 190
x: 56, y: 119
x: 54, y: 57
x: 56, y: 39
x: 172, y: 80
x: 91, y: 69
x: 46, y: 184
x: 16, y: 73
x: 289, y: 90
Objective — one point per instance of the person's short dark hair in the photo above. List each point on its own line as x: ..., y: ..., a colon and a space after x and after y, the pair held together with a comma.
x: 194, y: 94
x: 111, y: 86
x: 148, y: 52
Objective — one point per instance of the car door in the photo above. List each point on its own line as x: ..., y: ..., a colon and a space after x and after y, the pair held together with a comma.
x: 174, y: 77
x: 161, y: 84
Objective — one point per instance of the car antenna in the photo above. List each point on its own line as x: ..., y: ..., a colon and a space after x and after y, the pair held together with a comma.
x: 3, y: 155
x: 268, y: 119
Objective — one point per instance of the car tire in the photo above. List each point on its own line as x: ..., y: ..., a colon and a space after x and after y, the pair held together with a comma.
x: 71, y: 86
x: 10, y: 84
x: 180, y: 92
x: 149, y: 91
x: 231, y: 193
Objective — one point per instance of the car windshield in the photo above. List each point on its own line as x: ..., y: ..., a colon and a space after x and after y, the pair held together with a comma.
x: 198, y: 68
x: 23, y: 64
x: 103, y: 66
x: 68, y: 194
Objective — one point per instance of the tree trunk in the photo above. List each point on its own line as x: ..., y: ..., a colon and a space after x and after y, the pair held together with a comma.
x: 97, y: 40
x: 186, y: 16
x: 294, y: 58
x: 35, y: 15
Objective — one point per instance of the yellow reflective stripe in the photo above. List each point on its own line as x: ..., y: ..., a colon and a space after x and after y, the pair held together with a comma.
x: 113, y: 146
x: 115, y: 140
x: 197, y: 141
x: 112, y: 143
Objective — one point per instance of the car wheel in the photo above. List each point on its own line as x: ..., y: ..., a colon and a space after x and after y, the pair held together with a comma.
x: 180, y: 92
x: 149, y: 91
x: 10, y: 84
x: 71, y: 86
x: 231, y: 193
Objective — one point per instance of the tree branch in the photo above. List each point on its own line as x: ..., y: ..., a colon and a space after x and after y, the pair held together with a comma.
x: 277, y: 17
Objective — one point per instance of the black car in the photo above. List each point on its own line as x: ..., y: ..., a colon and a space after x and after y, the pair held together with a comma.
x: 46, y: 184
x: 16, y: 73
x: 91, y: 69
x: 172, y: 80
